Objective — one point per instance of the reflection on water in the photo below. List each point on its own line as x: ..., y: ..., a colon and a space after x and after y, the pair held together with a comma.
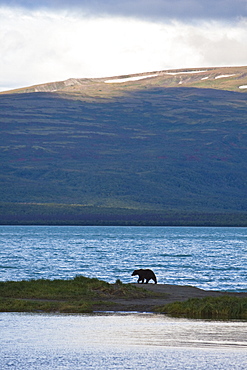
x: 119, y: 341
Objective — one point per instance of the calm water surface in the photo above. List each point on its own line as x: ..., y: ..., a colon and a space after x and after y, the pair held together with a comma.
x: 120, y: 341
x: 209, y: 258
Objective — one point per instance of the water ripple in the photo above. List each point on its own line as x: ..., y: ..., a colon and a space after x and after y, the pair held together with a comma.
x: 209, y: 258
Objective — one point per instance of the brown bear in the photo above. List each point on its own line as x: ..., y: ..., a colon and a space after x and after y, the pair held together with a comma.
x: 145, y: 274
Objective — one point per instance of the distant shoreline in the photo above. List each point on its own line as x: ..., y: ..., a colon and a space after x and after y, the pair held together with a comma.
x: 237, y: 223
x: 125, y: 224
x: 49, y: 214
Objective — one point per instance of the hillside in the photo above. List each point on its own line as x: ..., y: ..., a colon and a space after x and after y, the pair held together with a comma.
x: 165, y: 149
x: 223, y: 78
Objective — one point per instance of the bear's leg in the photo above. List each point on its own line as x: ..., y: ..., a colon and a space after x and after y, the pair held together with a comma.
x: 154, y: 279
x: 147, y: 280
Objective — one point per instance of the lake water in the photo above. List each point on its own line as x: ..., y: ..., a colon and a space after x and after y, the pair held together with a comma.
x: 120, y: 341
x: 209, y: 258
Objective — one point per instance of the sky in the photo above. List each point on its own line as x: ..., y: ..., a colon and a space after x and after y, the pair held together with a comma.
x: 51, y: 40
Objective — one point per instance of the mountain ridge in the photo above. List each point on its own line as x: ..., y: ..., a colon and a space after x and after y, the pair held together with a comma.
x: 224, y: 78
x: 137, y: 152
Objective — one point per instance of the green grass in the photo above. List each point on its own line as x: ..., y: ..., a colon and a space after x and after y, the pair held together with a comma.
x: 215, y: 308
x: 53, y: 289
x: 23, y: 305
x: 77, y: 295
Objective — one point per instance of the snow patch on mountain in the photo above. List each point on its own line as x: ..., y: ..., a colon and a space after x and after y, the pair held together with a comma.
x: 120, y: 80
x: 183, y: 73
x: 224, y: 76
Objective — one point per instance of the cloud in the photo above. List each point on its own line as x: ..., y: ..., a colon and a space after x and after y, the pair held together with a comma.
x: 145, y: 9
x: 39, y: 46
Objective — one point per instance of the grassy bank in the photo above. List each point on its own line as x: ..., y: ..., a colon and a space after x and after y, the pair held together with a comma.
x: 86, y: 295
x: 216, y: 308
x: 77, y: 295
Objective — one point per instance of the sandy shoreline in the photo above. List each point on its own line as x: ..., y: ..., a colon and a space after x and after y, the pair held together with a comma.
x: 165, y: 294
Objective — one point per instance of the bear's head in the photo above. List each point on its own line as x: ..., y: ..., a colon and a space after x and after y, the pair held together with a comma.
x: 134, y: 273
